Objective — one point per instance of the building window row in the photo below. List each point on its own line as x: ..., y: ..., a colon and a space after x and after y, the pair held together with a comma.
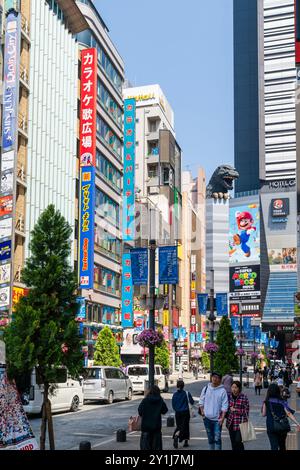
x: 106, y: 280
x: 97, y: 313
x: 105, y: 133
x: 107, y: 243
x: 107, y: 208
x: 108, y: 171
x: 106, y: 64
x: 54, y: 6
x: 109, y: 103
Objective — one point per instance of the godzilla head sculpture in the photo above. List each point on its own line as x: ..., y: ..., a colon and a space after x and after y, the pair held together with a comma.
x: 221, y: 182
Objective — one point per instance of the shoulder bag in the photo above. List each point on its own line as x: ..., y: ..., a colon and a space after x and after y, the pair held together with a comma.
x: 280, y: 423
x: 191, y: 407
x: 134, y: 423
x: 247, y: 431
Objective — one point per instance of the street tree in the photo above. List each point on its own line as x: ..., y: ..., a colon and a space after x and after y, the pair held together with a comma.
x: 106, y: 349
x: 225, y: 359
x: 162, y: 355
x: 205, y: 360
x: 44, y: 334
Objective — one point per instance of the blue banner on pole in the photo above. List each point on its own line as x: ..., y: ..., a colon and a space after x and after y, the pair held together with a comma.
x: 264, y: 338
x: 182, y: 333
x: 234, y: 323
x: 193, y: 337
x: 87, y: 230
x: 257, y: 334
x: 139, y: 266
x: 127, y: 292
x: 175, y: 333
x: 81, y: 312
x: 202, y: 303
x: 199, y: 338
x: 222, y: 304
x: 168, y: 265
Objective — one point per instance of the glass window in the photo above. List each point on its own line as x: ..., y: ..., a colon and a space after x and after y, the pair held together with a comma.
x: 106, y: 280
x: 135, y: 371
x: 121, y: 375
x: 105, y: 133
x: 89, y: 373
x: 106, y: 64
x: 107, y: 208
x: 108, y: 170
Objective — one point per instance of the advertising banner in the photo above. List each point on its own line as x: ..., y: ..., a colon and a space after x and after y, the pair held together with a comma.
x: 175, y: 333
x: 139, y: 266
x: 88, y: 110
x: 7, y: 161
x: 86, y: 229
x: 7, y: 182
x: 222, y: 304
x: 5, y: 273
x: 5, y: 250
x: 244, y: 234
x: 166, y: 318
x: 4, y: 296
x: 127, y: 292
x: 6, y: 205
x: 247, y: 309
x: 130, y: 344
x: 244, y: 282
x: 17, y: 293
x: 192, y: 337
x: 280, y: 209
x: 182, y: 333
x: 202, y: 303
x: 297, y: 304
x: 81, y: 313
x: 283, y: 259
x: 129, y: 170
x: 199, y: 338
x: 168, y: 265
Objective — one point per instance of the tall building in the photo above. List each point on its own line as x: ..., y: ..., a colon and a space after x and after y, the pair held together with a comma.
x: 103, y: 299
x: 158, y: 193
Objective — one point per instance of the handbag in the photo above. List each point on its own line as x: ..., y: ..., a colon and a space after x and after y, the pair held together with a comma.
x: 280, y: 423
x: 134, y: 423
x: 191, y: 407
x: 247, y: 431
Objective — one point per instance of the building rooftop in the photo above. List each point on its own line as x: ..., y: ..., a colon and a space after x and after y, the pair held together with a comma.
x: 73, y: 16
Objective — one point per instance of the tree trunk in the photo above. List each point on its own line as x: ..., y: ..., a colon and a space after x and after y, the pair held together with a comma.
x: 50, y: 426
x: 44, y: 419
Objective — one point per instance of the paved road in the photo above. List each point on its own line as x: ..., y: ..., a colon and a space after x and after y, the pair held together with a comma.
x: 98, y: 423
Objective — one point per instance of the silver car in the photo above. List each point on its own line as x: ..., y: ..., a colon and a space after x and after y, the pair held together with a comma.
x: 106, y: 383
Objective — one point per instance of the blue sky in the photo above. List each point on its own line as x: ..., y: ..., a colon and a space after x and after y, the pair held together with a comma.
x: 187, y: 48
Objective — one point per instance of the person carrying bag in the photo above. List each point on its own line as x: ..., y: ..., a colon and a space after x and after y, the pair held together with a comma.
x: 182, y: 403
x: 237, y: 423
x: 277, y: 413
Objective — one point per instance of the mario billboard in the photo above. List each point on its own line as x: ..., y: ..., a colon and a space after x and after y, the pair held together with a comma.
x: 244, y: 234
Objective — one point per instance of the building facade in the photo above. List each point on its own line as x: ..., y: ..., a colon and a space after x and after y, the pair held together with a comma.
x: 103, y: 301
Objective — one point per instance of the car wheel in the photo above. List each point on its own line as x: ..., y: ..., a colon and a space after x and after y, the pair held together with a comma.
x: 129, y: 394
x: 110, y: 398
x: 75, y: 404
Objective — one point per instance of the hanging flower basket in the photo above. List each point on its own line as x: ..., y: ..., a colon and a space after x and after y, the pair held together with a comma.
x: 240, y: 352
x: 149, y: 338
x: 254, y: 355
x: 211, y: 347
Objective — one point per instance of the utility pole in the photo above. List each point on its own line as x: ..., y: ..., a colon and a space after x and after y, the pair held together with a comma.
x: 152, y: 308
x: 241, y: 343
x: 211, y: 317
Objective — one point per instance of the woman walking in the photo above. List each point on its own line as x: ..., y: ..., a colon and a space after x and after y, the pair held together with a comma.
x: 277, y: 411
x: 258, y: 379
x: 150, y: 409
x: 238, y: 413
x: 180, y: 403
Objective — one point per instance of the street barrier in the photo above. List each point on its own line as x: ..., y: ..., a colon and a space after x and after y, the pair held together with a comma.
x: 121, y: 435
x: 85, y: 445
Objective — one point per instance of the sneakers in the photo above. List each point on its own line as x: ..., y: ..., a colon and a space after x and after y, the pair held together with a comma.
x: 186, y: 443
x: 175, y: 443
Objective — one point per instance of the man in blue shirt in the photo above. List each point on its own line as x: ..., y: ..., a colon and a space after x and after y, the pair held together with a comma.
x: 180, y: 403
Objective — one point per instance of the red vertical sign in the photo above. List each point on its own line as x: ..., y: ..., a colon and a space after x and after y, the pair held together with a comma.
x: 88, y: 107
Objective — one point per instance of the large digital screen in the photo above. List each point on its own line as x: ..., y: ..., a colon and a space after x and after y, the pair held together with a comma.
x: 244, y: 234
x: 244, y: 282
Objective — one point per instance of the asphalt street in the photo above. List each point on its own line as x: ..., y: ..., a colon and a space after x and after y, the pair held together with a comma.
x: 98, y: 423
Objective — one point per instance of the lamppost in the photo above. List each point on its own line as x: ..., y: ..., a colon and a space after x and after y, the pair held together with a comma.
x: 211, y: 317
x: 241, y: 343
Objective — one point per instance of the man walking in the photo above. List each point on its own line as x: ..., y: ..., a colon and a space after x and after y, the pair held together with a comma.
x: 213, y: 405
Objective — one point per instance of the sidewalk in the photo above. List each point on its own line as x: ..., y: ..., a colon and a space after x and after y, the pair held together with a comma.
x: 198, y: 439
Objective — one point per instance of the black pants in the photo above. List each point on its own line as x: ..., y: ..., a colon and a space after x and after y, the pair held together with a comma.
x: 151, y: 440
x: 258, y: 388
x: 236, y: 440
x: 182, y: 425
x: 277, y: 440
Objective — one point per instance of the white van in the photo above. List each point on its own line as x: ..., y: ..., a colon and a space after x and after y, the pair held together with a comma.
x: 139, y: 373
x: 106, y: 383
x: 68, y: 394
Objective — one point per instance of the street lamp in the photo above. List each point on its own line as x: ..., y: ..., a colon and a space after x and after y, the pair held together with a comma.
x: 212, y: 318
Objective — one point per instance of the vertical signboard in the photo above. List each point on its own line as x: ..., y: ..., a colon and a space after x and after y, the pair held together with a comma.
x: 222, y: 304
x: 168, y: 265
x: 139, y: 266
x: 8, y: 157
x: 86, y: 230
x: 127, y: 292
x: 129, y: 168
x: 87, y: 160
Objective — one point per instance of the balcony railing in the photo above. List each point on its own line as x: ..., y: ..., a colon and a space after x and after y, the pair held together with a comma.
x: 24, y: 74
x: 20, y: 222
x: 21, y: 175
x: 23, y: 124
x: 25, y: 25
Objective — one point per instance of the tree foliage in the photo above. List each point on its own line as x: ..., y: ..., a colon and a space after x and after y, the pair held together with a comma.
x: 225, y: 360
x: 162, y: 355
x: 205, y: 360
x: 106, y: 349
x: 44, y: 333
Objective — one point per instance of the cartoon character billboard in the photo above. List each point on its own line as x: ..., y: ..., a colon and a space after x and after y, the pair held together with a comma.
x: 244, y: 234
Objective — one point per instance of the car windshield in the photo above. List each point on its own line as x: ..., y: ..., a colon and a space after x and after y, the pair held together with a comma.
x: 137, y: 371
x: 90, y: 373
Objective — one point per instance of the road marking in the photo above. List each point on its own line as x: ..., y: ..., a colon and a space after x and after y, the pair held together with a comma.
x: 88, y: 434
x: 107, y: 441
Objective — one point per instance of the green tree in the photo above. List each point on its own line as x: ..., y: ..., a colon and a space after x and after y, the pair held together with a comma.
x: 205, y: 360
x: 162, y: 355
x: 43, y: 333
x: 106, y: 349
x: 225, y: 360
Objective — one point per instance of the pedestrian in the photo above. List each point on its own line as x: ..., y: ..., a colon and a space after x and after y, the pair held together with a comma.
x: 238, y: 412
x: 180, y: 373
x: 286, y: 379
x: 150, y: 409
x: 298, y: 369
x: 227, y: 381
x: 180, y: 404
x: 284, y: 391
x: 213, y: 405
x: 258, y: 379
x: 275, y: 409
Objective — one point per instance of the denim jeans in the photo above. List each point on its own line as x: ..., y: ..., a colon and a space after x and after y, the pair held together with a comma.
x: 213, y: 430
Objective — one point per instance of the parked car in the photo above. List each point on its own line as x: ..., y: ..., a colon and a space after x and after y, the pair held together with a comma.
x: 139, y: 373
x: 68, y: 394
x: 106, y: 383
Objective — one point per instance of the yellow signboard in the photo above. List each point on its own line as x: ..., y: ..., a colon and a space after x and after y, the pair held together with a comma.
x: 166, y: 318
